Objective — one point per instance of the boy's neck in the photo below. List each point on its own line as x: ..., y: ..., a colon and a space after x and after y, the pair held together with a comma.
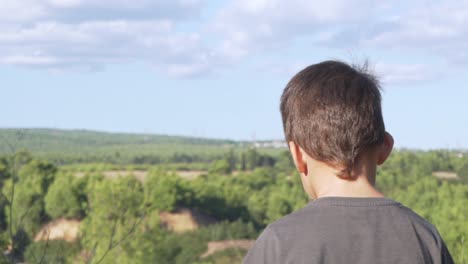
x: 324, y: 182
x: 359, y: 187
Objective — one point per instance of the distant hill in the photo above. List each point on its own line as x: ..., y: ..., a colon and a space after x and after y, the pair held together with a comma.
x: 53, y: 142
x: 50, y: 139
x: 67, y: 146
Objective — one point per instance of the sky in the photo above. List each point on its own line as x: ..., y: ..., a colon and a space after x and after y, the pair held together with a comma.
x: 217, y: 68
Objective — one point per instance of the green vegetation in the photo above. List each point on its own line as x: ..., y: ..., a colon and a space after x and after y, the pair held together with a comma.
x: 66, y: 197
x: 240, y: 190
x: 81, y: 146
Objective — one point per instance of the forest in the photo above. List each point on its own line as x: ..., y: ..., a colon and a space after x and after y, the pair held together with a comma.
x: 161, y: 199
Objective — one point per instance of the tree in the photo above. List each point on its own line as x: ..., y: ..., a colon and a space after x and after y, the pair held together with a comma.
x: 278, y: 206
x: 24, y: 197
x: 231, y: 159
x: 162, y: 191
x: 462, y: 172
x: 243, y: 162
x: 284, y: 163
x: 115, y: 211
x: 251, y: 158
x: 53, y: 251
x: 220, y: 167
x: 257, y: 205
x: 65, y: 198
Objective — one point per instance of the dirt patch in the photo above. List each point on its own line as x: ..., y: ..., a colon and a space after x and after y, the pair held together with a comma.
x: 79, y: 174
x: 114, y: 174
x: 59, y: 229
x: 215, y: 246
x: 190, y: 175
x: 237, y: 172
x: 445, y: 175
x: 141, y: 174
x: 185, y: 220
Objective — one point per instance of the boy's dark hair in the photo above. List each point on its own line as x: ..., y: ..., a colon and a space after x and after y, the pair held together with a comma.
x: 333, y: 112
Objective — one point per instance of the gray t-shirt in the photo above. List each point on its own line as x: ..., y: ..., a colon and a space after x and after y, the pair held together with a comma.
x: 336, y: 230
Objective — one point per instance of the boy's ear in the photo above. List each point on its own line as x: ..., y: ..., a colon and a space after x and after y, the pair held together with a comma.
x: 298, y: 157
x: 385, y: 149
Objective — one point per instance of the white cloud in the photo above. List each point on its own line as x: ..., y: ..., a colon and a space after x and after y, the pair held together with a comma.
x: 55, y: 34
x: 437, y: 28
x: 389, y: 74
x: 91, y: 34
x: 250, y: 26
x: 29, y: 60
x: 65, y: 3
x: 15, y: 10
x: 80, y: 10
x: 405, y: 73
x: 101, y: 42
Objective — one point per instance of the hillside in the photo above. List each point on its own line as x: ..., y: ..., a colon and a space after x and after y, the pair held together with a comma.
x: 40, y: 139
x: 69, y: 146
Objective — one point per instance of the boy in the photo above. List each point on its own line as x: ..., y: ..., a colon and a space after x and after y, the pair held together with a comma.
x: 333, y: 123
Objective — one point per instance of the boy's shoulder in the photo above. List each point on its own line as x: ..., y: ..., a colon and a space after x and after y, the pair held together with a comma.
x: 332, y: 210
x: 379, y: 225
x: 331, y: 214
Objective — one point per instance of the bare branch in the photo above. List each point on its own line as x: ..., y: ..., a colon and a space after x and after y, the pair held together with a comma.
x: 116, y: 244
x: 12, y: 199
x: 46, y: 247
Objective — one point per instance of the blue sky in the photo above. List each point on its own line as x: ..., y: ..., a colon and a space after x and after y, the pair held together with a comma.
x: 217, y: 68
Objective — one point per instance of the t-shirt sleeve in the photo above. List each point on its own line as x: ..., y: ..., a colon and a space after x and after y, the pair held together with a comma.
x: 445, y: 255
x: 265, y: 250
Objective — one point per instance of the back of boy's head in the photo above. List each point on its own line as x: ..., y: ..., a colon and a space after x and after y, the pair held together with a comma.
x: 333, y: 112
